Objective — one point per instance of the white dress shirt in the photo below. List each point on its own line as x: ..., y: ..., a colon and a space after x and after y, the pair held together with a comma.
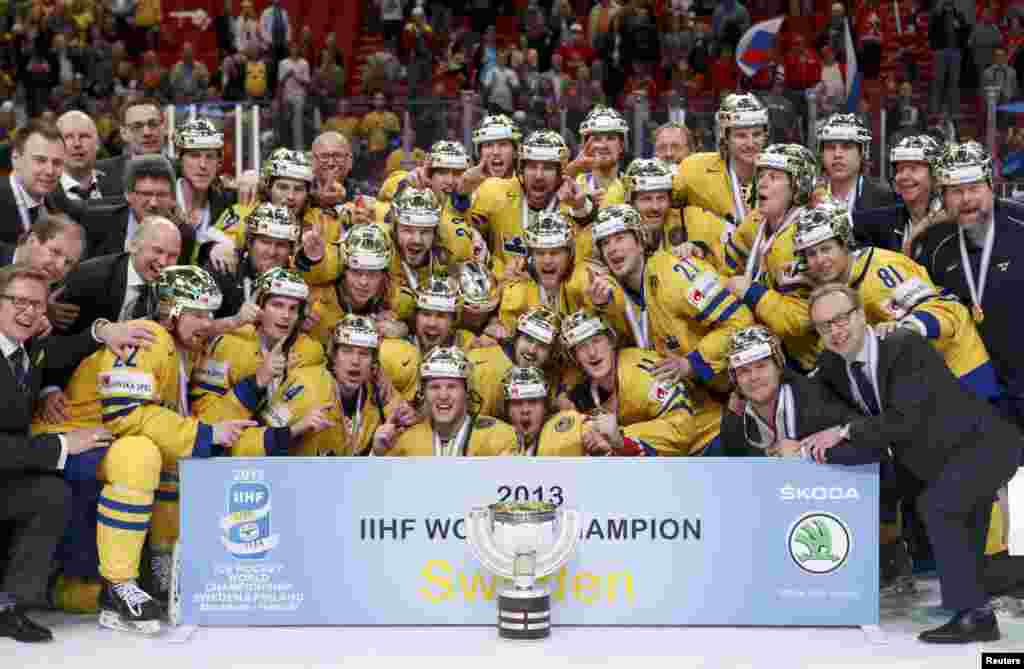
x: 26, y: 203
x: 132, y: 291
x: 67, y: 182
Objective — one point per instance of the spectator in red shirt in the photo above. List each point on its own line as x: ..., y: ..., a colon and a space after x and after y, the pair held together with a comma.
x: 869, y: 28
x: 577, y: 52
x: 725, y: 73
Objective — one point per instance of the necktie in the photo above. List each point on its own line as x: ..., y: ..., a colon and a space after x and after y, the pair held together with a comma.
x: 279, y: 32
x: 20, y: 370
x: 141, y: 307
x: 867, y: 391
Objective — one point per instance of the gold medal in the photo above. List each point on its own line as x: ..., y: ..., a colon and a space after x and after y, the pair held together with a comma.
x: 978, y: 314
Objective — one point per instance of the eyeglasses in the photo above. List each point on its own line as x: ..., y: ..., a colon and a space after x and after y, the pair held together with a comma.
x: 840, y: 321
x: 332, y: 158
x: 24, y: 303
x: 139, y: 126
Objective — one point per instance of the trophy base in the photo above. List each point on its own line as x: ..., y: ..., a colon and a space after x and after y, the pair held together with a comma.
x: 524, y: 614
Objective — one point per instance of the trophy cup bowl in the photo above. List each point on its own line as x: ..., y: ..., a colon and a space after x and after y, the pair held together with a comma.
x: 523, y: 541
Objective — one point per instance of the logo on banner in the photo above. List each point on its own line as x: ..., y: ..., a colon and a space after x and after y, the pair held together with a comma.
x: 819, y: 543
x: 246, y: 527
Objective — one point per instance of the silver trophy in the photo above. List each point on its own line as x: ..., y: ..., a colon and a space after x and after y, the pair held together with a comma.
x: 523, y: 541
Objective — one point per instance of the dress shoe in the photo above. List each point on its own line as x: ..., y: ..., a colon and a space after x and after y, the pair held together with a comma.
x: 966, y: 626
x: 15, y: 624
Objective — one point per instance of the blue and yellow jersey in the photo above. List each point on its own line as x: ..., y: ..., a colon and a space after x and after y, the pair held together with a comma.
x: 665, y: 418
x: 142, y: 395
x: 690, y: 311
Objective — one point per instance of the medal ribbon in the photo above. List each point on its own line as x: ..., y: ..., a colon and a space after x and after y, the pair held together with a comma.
x: 978, y: 289
x: 455, y: 446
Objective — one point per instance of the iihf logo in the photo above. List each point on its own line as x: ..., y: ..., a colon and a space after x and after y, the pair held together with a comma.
x: 246, y: 527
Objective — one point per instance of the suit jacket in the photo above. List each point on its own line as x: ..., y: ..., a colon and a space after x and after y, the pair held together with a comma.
x: 873, y: 195
x: 817, y: 408
x: 112, y: 180
x: 883, y: 228
x: 98, y: 287
x: 927, y: 416
x: 11, y: 226
x: 6, y: 254
x: 105, y: 221
x: 20, y: 452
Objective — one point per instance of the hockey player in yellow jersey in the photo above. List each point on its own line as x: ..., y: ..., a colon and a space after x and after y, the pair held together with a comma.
x: 433, y: 324
x: 444, y: 167
x: 648, y: 188
x: 285, y: 180
x: 721, y: 182
x: 553, y: 278
x: 420, y: 251
x: 768, y: 279
x: 502, y: 208
x: 527, y: 409
x: 481, y: 297
x: 657, y: 417
x: 352, y: 277
x: 604, y: 134
x: 534, y: 343
x: 245, y: 370
x: 452, y: 427
x: 143, y: 401
x: 272, y: 233
x: 896, y: 292
x: 496, y: 141
x: 350, y: 386
x: 678, y: 307
x: 199, y: 149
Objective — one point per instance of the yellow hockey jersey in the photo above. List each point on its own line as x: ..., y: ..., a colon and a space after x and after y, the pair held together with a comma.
x: 614, y: 192
x: 562, y: 435
x: 143, y: 395
x: 703, y: 181
x: 490, y: 363
x: 400, y: 361
x: 351, y: 434
x: 487, y: 436
x: 665, y: 418
x: 223, y: 384
x: 497, y: 212
x: 521, y: 295
x: 704, y: 228
x: 689, y: 312
x: 880, y: 275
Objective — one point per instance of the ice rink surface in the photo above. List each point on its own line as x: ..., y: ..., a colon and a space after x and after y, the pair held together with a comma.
x: 83, y: 645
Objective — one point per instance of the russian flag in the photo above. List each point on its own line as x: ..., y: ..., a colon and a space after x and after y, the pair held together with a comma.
x: 853, y: 76
x: 756, y: 49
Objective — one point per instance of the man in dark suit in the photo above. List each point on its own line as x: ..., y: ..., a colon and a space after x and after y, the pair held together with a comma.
x: 952, y: 445
x: 38, y: 157
x: 911, y: 163
x: 111, y: 222
x: 33, y: 494
x: 844, y: 147
x: 81, y: 179
x: 977, y: 257
x: 142, y: 131
x: 117, y: 287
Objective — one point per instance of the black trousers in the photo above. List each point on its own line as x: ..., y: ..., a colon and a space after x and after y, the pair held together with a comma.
x: 956, y: 508
x: 35, y: 507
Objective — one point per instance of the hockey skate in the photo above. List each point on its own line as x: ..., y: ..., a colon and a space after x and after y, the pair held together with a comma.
x: 156, y: 574
x: 128, y: 608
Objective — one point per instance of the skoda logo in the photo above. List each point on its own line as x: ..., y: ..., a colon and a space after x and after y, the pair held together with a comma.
x: 819, y: 542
